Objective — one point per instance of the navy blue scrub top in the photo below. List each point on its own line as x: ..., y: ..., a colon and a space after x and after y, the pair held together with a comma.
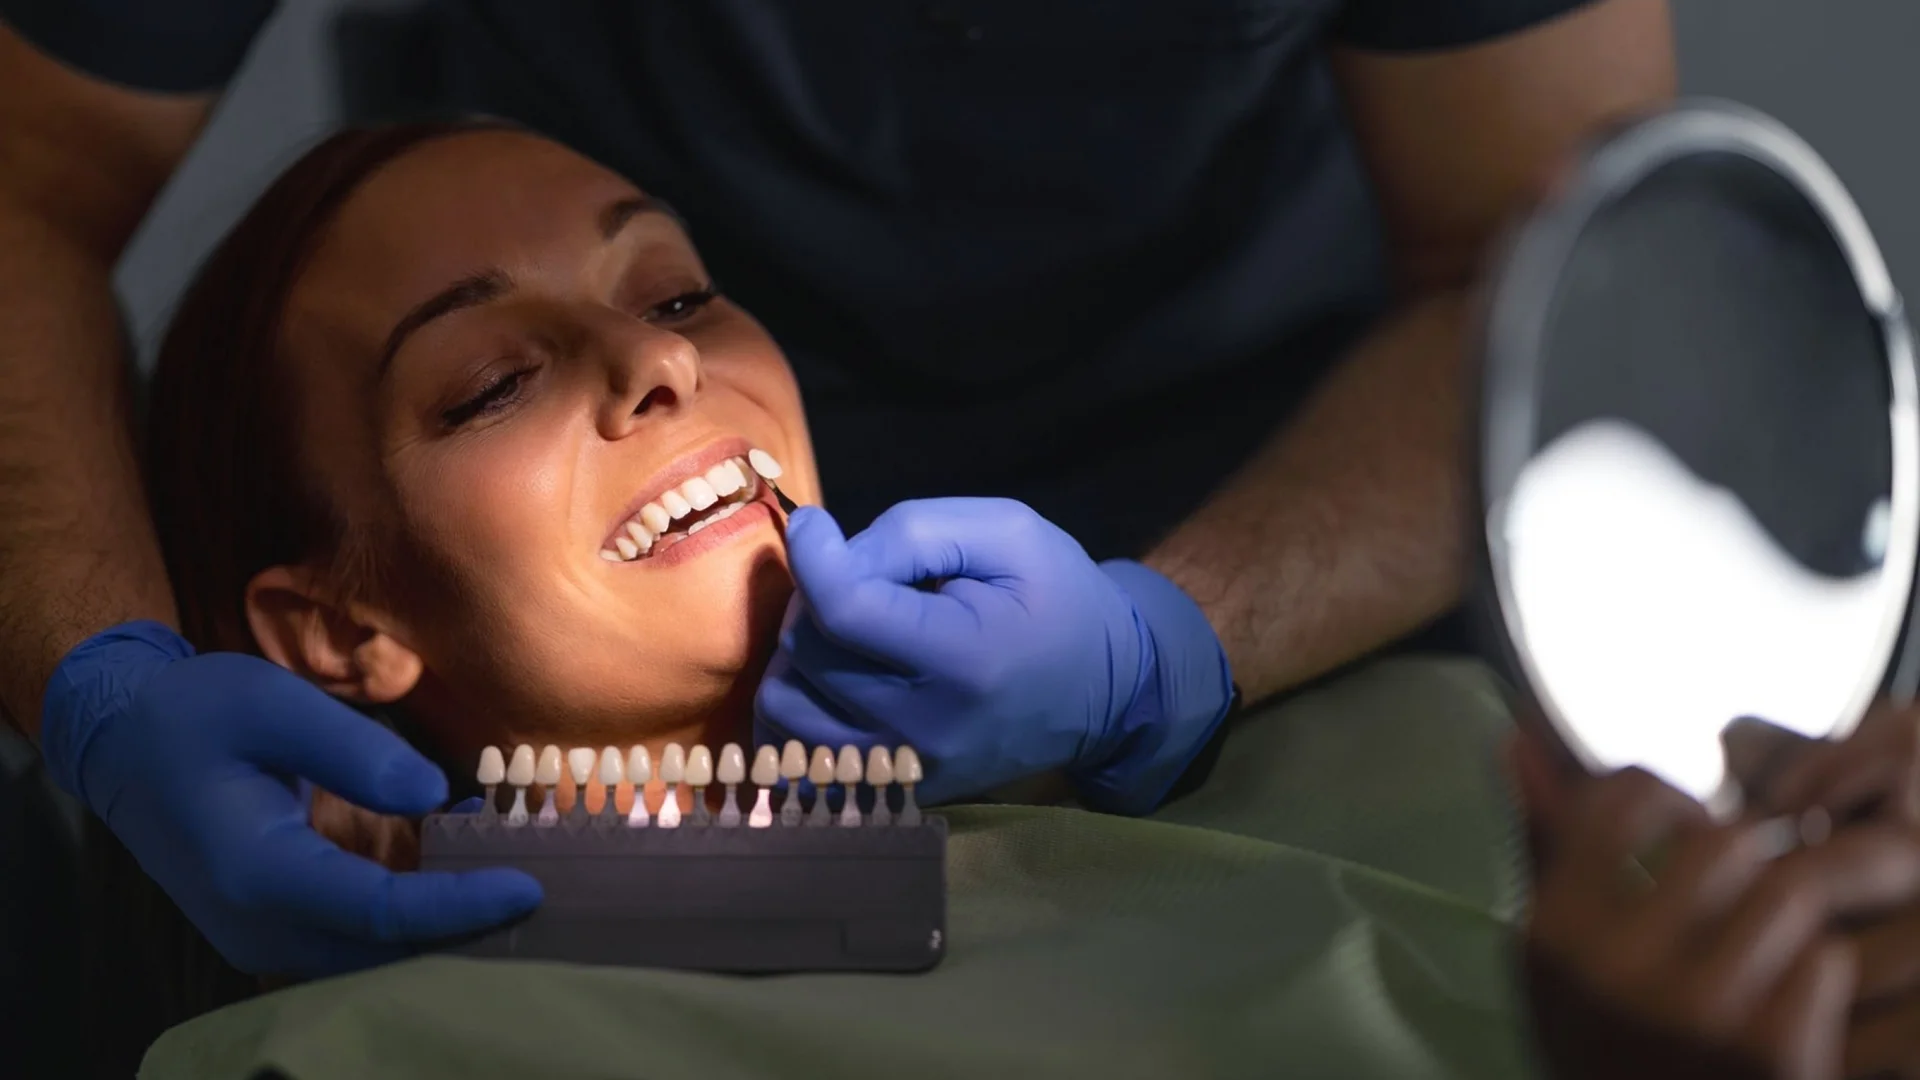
x: 1083, y: 253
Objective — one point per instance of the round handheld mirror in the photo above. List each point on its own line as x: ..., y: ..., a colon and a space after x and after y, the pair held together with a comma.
x: 1698, y: 451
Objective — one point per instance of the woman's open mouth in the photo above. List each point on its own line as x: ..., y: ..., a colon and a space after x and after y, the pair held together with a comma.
x: 720, y: 492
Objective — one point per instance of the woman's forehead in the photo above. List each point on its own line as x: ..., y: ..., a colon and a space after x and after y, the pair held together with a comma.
x: 446, y: 210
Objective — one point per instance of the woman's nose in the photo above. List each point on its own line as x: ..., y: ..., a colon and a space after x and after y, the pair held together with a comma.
x: 651, y: 373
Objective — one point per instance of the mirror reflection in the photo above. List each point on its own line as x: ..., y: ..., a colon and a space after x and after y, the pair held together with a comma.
x: 1699, y: 459
x: 1657, y: 608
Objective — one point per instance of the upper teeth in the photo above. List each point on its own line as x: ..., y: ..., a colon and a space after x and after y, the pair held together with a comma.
x: 731, y: 481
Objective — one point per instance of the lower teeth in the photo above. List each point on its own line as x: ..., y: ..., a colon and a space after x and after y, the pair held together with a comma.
x: 718, y: 515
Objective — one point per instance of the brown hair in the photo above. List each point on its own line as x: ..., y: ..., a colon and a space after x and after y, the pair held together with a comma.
x: 224, y: 474
x: 229, y: 499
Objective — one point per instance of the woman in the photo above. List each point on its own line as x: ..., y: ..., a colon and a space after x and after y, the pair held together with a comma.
x: 402, y: 430
x: 401, y: 477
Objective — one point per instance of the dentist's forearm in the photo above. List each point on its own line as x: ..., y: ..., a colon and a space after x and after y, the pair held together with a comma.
x: 77, y: 548
x: 81, y: 162
x: 1348, y: 529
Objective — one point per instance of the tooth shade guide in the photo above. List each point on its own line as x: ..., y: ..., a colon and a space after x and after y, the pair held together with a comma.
x: 622, y: 897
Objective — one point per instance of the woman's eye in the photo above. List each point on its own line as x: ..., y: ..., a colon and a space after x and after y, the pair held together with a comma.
x: 680, y: 307
x: 498, y: 393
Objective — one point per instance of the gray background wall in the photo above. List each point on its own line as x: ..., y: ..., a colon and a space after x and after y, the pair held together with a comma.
x: 1838, y: 71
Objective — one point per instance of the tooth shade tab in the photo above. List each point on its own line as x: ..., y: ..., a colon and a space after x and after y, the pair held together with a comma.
x: 733, y: 765
x: 547, y: 771
x: 906, y: 766
x: 793, y: 760
x: 613, y: 769
x: 639, y: 766
x: 847, y: 767
x: 699, y: 771
x: 821, y: 770
x: 879, y: 766
x: 766, y: 767
x: 493, y: 767
x: 520, y: 772
x: 580, y: 762
x: 673, y: 763
x: 763, y: 463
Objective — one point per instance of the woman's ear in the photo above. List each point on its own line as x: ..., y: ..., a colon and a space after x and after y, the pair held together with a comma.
x: 301, y: 626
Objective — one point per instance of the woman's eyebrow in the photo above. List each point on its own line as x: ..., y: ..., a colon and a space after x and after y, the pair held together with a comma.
x: 470, y: 291
x: 615, y: 217
x: 489, y: 285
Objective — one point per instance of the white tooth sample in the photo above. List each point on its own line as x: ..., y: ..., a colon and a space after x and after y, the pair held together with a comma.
x: 766, y: 773
x: 731, y: 774
x: 879, y: 775
x: 846, y: 773
x: 699, y: 775
x: 627, y: 548
x: 821, y: 772
x: 546, y: 773
x: 655, y: 518
x: 639, y: 771
x: 698, y: 493
x: 793, y: 769
x: 520, y: 776
x: 613, y: 769
x: 879, y: 766
x: 763, y: 463
x: 580, y: 762
x: 673, y: 769
x: 676, y: 505
x: 725, y: 478
x: 641, y: 538
x: 906, y: 769
x: 492, y: 770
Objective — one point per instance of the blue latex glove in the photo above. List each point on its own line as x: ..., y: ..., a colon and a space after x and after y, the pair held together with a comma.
x: 201, y: 766
x: 1027, y: 657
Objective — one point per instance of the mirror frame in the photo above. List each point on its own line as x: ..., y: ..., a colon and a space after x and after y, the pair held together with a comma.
x: 1515, y: 307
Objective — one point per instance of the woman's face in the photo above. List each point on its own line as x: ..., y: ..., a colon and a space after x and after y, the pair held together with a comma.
x: 504, y: 354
